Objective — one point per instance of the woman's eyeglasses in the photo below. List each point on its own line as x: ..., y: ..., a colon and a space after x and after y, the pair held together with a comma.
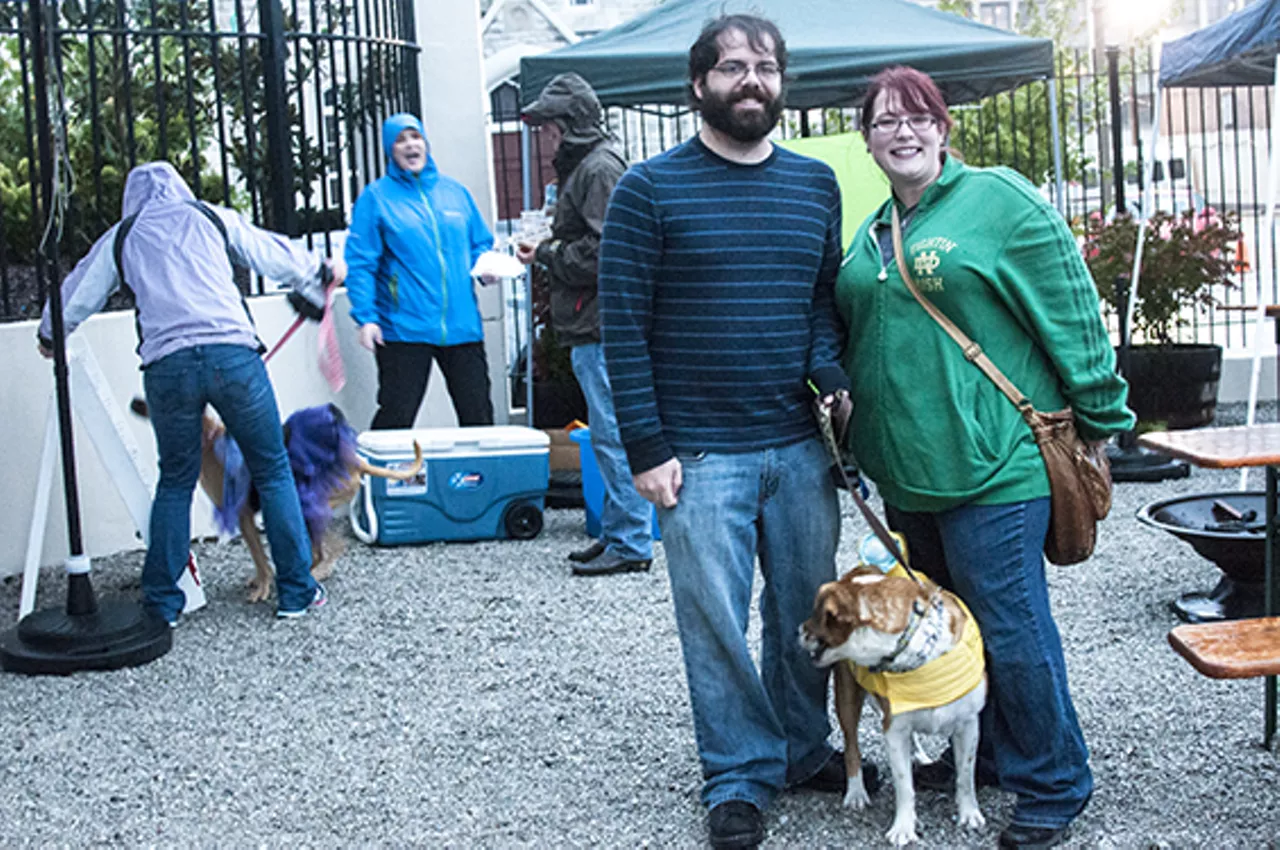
x: 735, y: 70
x: 890, y: 123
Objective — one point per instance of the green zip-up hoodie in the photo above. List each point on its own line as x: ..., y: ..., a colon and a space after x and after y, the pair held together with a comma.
x: 928, y: 426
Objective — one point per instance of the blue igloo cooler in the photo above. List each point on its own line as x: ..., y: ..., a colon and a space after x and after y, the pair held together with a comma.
x: 475, y: 484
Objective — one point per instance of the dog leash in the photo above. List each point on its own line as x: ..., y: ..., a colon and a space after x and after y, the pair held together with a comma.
x: 827, y: 429
x: 298, y: 322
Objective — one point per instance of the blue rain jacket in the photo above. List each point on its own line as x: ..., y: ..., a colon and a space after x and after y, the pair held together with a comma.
x: 413, y: 241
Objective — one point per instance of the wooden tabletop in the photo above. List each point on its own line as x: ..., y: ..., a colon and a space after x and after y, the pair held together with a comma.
x: 1220, y: 448
x: 1237, y: 649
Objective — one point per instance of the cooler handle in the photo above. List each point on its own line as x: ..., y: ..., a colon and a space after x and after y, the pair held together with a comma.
x: 366, y: 493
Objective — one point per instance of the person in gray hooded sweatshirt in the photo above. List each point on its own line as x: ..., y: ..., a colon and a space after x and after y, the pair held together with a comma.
x: 198, y: 346
x: 588, y: 163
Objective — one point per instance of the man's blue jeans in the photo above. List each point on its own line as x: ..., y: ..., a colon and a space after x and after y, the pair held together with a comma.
x: 757, y: 731
x: 234, y: 380
x: 990, y: 555
x: 625, y: 516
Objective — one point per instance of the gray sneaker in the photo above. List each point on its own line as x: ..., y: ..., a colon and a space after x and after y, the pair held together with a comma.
x: 318, y: 601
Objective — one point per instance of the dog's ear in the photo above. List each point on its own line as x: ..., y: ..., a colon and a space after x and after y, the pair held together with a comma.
x: 836, y: 615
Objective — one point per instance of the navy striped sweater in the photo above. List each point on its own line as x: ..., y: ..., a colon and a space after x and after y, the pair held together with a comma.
x: 716, y: 293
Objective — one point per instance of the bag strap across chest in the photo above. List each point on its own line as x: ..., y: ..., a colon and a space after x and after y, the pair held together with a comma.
x: 972, y: 351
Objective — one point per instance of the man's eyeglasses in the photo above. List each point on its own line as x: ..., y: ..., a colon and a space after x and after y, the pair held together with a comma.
x: 735, y: 70
x: 890, y: 123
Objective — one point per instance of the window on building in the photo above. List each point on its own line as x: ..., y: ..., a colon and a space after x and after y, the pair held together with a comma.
x: 504, y: 102
x: 994, y: 14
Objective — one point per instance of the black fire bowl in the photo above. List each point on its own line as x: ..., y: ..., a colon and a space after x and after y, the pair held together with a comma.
x: 1229, y: 529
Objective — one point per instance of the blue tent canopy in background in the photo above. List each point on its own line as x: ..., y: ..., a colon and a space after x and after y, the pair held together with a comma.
x: 835, y: 47
x: 1239, y: 50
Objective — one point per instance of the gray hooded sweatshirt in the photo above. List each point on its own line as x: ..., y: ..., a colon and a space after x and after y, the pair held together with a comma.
x: 176, y: 261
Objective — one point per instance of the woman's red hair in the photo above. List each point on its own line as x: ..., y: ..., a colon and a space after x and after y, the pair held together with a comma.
x: 915, y: 90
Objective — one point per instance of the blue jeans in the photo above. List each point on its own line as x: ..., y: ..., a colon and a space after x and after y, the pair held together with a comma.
x: 234, y: 380
x: 757, y: 731
x: 625, y: 516
x: 990, y: 555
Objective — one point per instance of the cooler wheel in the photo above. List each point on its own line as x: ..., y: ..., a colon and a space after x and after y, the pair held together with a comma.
x: 523, y: 521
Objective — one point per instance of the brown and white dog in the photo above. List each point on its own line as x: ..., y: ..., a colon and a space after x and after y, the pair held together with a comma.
x: 327, y: 472
x: 918, y: 650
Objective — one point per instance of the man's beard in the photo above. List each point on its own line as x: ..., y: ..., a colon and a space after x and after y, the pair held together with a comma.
x: 749, y: 127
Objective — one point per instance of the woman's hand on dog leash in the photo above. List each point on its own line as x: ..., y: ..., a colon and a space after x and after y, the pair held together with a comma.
x: 370, y: 335
x: 661, y: 485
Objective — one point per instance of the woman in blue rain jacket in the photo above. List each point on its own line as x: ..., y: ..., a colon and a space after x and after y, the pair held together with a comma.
x: 415, y: 235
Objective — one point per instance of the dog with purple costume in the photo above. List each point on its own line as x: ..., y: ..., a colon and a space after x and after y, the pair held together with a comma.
x: 321, y: 446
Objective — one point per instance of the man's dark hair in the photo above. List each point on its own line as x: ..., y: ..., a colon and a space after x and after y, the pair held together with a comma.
x: 705, y: 52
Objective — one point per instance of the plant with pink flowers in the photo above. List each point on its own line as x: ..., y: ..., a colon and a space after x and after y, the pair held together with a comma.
x: 1183, y: 258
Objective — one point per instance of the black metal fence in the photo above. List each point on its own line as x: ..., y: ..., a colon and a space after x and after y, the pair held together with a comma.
x: 268, y: 107
x: 1212, y: 153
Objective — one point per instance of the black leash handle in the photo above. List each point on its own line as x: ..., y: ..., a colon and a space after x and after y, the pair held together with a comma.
x: 827, y: 429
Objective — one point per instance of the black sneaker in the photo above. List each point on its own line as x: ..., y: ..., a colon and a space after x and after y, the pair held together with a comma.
x: 1032, y: 837
x: 581, y: 556
x: 609, y: 564
x: 735, y: 825
x: 832, y: 778
x: 940, y: 775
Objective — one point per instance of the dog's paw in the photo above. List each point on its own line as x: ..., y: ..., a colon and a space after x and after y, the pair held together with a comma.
x: 970, y: 818
x: 902, y: 834
x: 855, y: 795
x: 322, y: 571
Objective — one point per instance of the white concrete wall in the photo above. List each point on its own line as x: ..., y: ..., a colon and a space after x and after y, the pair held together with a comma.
x: 455, y: 102
x: 1237, y: 367
x: 454, y: 106
x: 26, y: 386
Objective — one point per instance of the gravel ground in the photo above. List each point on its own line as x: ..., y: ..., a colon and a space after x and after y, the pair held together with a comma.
x: 477, y: 695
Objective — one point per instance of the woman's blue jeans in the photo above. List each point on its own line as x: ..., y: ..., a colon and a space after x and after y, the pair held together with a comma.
x: 234, y: 380
x: 758, y: 731
x: 990, y: 555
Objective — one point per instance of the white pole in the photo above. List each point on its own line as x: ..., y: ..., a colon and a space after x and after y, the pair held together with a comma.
x: 40, y: 510
x: 526, y: 188
x: 1148, y: 201
x: 1268, y: 227
x: 1059, y: 188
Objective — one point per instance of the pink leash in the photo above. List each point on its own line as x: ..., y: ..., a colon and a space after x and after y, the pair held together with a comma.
x: 330, y: 356
x: 297, y: 323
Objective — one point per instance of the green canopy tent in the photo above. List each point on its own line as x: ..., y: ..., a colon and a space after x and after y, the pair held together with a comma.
x: 835, y: 47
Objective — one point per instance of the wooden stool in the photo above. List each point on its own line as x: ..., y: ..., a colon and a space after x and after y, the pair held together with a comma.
x: 1234, y: 649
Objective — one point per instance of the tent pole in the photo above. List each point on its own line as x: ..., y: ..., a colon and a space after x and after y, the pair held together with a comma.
x: 1129, y: 461
x: 1144, y: 212
x: 526, y: 186
x: 1059, y: 190
x: 1268, y: 227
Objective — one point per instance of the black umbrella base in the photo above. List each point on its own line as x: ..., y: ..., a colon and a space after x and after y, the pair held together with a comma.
x: 1229, y: 600
x: 118, y: 634
x: 1139, y: 464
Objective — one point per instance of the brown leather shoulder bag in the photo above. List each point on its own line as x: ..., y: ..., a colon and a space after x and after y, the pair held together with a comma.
x: 1079, y: 475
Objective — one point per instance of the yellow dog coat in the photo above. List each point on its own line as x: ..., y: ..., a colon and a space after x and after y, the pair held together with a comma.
x: 936, y: 683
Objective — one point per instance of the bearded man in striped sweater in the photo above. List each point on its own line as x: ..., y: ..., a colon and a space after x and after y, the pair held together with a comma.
x: 717, y: 267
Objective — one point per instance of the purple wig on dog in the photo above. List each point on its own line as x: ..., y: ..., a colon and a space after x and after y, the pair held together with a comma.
x: 322, y: 448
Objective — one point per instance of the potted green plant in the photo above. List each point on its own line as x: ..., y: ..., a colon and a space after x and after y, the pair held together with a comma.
x: 1184, y: 257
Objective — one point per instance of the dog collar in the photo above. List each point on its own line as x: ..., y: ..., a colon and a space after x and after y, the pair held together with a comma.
x: 919, y: 641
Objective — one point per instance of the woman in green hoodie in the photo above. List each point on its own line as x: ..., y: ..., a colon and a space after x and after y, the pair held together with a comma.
x: 959, y: 471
